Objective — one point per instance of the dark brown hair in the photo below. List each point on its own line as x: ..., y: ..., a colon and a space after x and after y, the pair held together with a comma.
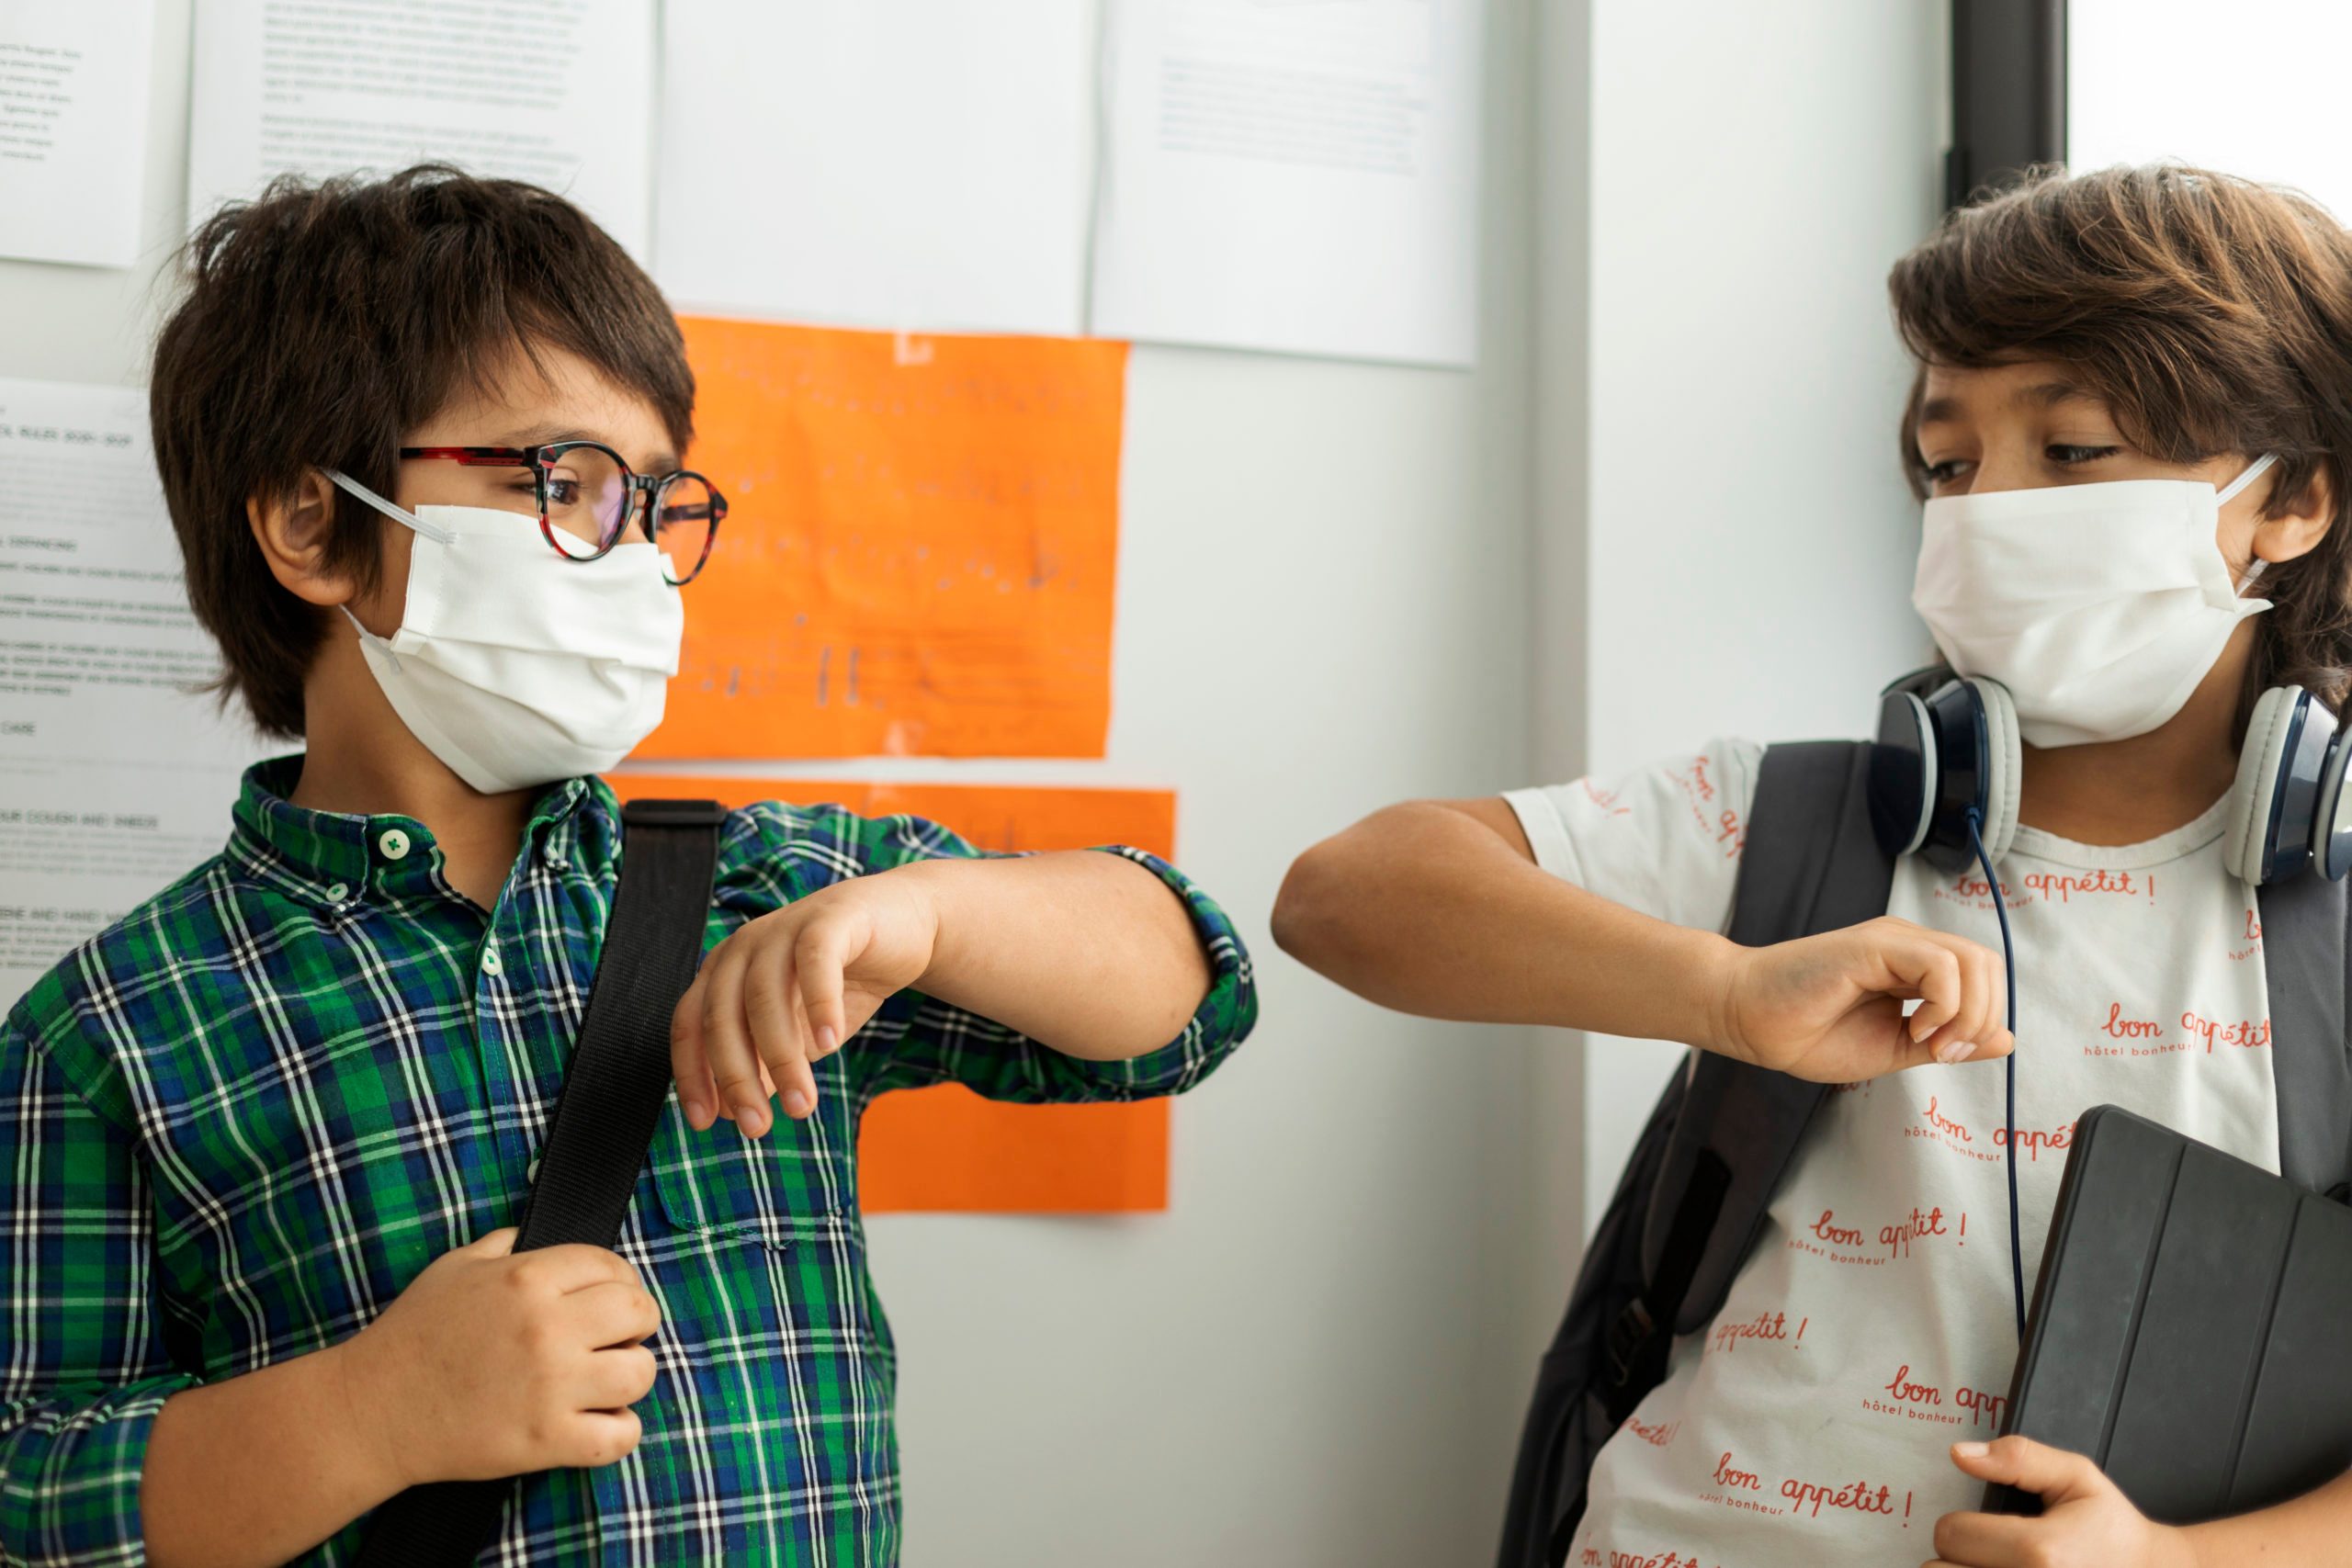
x: 323, y: 320
x: 2214, y: 314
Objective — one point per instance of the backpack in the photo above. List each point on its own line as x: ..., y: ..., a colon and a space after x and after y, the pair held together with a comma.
x: 1693, y: 1196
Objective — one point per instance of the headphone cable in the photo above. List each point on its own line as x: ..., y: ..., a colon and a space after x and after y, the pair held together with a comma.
x: 2009, y: 1065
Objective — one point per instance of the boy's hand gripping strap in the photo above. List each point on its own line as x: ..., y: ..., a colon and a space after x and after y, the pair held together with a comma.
x: 604, y: 1117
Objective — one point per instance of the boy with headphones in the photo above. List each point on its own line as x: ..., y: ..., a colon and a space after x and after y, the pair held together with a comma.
x: 2133, y: 402
x: 264, y: 1142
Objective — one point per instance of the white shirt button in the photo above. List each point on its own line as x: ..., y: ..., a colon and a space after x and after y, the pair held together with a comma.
x: 532, y: 1173
x: 394, y: 844
x: 490, y: 965
x: 338, y: 892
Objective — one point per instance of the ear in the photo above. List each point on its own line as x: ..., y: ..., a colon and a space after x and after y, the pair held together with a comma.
x: 292, y: 530
x: 2297, y: 531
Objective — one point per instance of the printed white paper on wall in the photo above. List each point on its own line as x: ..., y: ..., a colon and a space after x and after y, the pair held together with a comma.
x: 904, y: 165
x: 73, y: 88
x: 115, y: 777
x: 555, y: 92
x: 1300, y: 177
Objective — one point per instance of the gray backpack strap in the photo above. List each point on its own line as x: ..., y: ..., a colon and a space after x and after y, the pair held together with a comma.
x: 1811, y: 865
x: 2307, y: 964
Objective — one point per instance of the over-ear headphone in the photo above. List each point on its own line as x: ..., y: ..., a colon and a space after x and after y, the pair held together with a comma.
x: 1947, y: 746
x: 2288, y: 809
x: 1943, y: 784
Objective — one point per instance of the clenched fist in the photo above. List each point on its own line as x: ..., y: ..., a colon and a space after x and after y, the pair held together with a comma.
x: 1830, y: 1007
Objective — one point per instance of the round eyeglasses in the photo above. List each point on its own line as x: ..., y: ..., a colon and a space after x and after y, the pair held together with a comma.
x: 587, y: 497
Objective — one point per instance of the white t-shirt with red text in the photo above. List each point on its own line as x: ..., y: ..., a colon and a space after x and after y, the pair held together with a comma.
x: 1873, y: 1325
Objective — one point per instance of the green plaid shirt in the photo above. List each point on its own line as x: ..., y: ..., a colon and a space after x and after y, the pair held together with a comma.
x: 235, y: 1125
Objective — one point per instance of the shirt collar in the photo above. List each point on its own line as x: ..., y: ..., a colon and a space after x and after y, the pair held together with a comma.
x: 328, y: 857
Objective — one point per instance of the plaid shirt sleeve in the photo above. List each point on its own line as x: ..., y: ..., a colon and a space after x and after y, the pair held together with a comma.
x: 915, y: 1040
x: 83, y: 1366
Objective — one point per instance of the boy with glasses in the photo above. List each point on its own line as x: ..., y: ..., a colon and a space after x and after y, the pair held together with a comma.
x: 422, y: 442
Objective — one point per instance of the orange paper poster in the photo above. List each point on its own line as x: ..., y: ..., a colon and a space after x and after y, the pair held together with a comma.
x: 920, y: 545
x: 946, y: 1148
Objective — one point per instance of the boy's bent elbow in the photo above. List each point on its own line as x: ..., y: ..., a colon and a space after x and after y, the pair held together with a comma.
x: 1304, y: 905
x: 1328, y: 889
x: 1349, y: 901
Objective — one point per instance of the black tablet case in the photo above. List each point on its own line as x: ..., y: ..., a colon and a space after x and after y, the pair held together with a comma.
x: 2191, y: 1327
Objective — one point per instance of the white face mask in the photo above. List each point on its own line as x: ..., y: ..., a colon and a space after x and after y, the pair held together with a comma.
x: 514, y: 666
x: 2100, y: 607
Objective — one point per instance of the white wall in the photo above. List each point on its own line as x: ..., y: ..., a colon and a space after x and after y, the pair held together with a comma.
x: 1322, y: 609
x: 1728, y: 548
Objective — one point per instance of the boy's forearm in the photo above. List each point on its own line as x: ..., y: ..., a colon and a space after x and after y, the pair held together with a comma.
x: 1086, y: 952
x: 1429, y: 909
x: 257, y: 1469
x: 2313, y: 1529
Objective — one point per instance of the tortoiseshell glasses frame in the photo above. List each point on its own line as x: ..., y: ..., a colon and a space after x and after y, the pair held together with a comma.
x: 680, y: 502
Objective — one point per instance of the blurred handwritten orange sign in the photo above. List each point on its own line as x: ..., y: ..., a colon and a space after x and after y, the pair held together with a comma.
x: 946, y: 1149
x: 920, y: 546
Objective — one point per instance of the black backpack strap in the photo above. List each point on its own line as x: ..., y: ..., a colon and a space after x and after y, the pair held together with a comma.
x: 2307, y: 967
x: 1562, y: 1428
x: 1811, y: 863
x: 1819, y: 867
x: 611, y: 1101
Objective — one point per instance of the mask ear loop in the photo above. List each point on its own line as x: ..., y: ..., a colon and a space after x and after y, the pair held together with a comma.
x: 433, y: 531
x: 2254, y: 471
x: 2256, y: 566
